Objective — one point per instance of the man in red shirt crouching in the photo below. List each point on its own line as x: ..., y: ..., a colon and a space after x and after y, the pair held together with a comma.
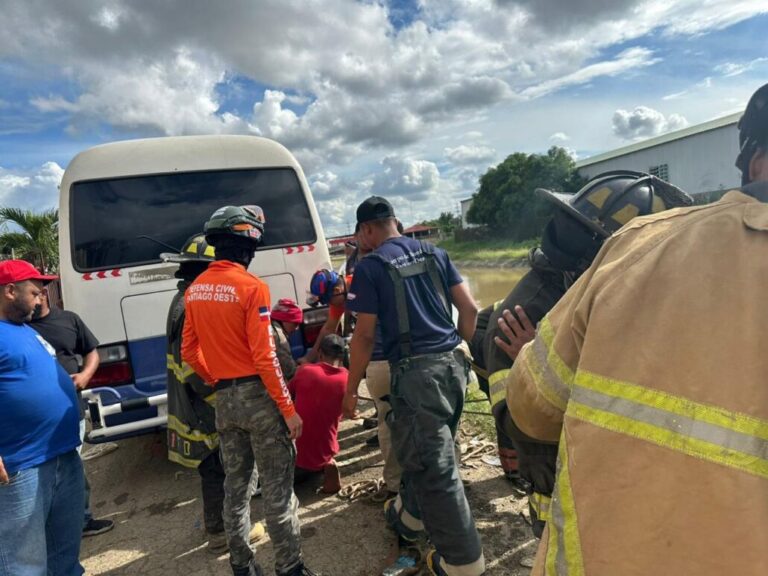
x: 318, y: 391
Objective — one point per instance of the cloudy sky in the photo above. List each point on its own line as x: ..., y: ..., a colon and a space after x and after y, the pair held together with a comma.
x: 411, y: 99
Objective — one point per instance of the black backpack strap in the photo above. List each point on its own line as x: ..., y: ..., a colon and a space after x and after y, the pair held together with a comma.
x: 398, y: 275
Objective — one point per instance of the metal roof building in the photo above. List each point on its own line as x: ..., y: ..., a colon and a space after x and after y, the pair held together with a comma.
x: 699, y: 159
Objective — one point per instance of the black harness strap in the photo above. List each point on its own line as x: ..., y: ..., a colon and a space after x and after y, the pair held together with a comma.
x: 427, y: 266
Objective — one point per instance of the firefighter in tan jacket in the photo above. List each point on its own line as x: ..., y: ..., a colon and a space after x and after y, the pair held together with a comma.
x: 652, y: 372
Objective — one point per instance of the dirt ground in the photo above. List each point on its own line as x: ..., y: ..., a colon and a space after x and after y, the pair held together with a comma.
x: 159, y: 528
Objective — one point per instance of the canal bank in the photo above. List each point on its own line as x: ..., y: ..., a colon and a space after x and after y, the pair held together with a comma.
x: 494, y: 254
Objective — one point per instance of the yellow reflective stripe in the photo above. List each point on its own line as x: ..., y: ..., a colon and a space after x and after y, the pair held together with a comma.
x: 540, y: 361
x: 184, y: 431
x: 564, y: 550
x: 706, y: 432
x: 179, y: 459
x: 497, y: 384
x: 541, y: 504
x: 211, y: 399
x: 564, y: 373
x: 714, y: 415
x: 181, y: 371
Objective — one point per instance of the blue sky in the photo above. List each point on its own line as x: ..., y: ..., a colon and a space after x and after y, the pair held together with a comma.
x: 413, y: 99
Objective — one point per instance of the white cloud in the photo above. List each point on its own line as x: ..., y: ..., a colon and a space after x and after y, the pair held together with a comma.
x: 173, y: 96
x: 559, y: 137
x: 413, y: 179
x: 729, y: 69
x: 470, y: 154
x: 342, y: 88
x: 324, y: 184
x: 109, y: 17
x: 645, y: 122
x: 35, y: 189
x: 629, y: 59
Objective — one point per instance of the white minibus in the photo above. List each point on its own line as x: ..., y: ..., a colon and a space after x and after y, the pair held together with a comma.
x: 122, y: 204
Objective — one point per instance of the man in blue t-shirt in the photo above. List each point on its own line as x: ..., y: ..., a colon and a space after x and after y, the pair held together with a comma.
x: 41, y: 475
x: 409, y: 287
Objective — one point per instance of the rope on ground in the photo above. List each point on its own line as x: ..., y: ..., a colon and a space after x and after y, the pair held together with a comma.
x: 478, y: 449
x: 362, y: 489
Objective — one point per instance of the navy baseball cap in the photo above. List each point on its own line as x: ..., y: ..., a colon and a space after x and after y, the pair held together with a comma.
x: 374, y: 208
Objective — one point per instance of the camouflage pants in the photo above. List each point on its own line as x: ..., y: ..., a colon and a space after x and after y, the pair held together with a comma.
x: 251, y: 427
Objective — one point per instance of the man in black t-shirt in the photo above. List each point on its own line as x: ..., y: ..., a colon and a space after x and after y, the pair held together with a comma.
x: 71, y: 338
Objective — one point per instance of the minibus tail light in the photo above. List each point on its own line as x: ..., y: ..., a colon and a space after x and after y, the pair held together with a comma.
x: 114, y: 367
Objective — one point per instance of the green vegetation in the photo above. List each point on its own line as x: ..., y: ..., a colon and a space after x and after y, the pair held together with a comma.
x: 31, y: 236
x: 480, y: 421
x: 496, y: 251
x: 446, y: 222
x: 506, y: 202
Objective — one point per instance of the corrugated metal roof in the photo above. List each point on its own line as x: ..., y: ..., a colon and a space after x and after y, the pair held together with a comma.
x: 663, y: 139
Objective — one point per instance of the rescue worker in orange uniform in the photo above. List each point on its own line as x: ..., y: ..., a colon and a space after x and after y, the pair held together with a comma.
x: 651, y: 374
x: 228, y: 341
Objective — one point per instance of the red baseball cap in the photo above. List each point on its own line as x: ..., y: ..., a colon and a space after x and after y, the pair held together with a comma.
x: 286, y: 310
x: 19, y: 270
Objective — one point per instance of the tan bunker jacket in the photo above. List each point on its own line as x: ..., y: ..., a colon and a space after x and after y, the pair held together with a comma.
x: 652, y: 372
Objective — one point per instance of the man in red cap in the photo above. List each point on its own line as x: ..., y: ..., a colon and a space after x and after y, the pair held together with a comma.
x: 41, y: 475
x: 286, y: 319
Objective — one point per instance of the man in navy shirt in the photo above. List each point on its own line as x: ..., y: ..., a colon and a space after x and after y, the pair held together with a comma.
x: 41, y: 476
x: 409, y: 287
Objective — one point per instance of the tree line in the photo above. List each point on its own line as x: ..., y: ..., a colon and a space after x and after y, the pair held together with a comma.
x: 506, y: 202
x: 30, y: 236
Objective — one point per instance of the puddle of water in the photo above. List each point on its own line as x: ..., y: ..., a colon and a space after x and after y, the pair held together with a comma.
x: 488, y: 285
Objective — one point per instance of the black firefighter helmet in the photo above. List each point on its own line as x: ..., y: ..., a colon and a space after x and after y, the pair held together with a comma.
x: 194, y: 257
x: 753, y: 130
x: 611, y: 199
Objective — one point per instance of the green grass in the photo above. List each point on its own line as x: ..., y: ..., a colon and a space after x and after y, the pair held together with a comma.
x: 488, y: 250
x: 478, y: 424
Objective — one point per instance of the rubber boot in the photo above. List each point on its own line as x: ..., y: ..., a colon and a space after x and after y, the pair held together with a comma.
x: 253, y: 569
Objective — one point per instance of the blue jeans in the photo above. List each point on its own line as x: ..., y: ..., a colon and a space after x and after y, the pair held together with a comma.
x: 87, y: 515
x: 41, y: 523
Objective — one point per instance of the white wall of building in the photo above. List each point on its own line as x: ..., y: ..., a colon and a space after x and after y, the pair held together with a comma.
x: 697, y: 163
x: 465, y: 205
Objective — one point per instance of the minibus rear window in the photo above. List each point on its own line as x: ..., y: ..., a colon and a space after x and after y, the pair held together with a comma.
x: 108, y: 217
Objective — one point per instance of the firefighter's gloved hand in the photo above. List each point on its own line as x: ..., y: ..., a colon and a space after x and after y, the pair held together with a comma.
x: 295, y: 425
x: 518, y: 332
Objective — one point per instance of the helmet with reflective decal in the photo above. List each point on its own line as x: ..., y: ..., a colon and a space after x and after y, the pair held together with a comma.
x: 321, y: 286
x: 611, y: 199
x: 245, y: 222
x: 195, y: 249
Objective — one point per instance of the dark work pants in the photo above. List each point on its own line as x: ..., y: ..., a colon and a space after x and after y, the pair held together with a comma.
x: 427, y: 399
x: 212, y: 480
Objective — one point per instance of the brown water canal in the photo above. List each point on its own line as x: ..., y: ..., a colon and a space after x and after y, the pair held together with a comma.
x: 489, y: 285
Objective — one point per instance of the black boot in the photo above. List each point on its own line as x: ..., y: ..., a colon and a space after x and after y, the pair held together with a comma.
x: 299, y: 570
x: 253, y: 569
